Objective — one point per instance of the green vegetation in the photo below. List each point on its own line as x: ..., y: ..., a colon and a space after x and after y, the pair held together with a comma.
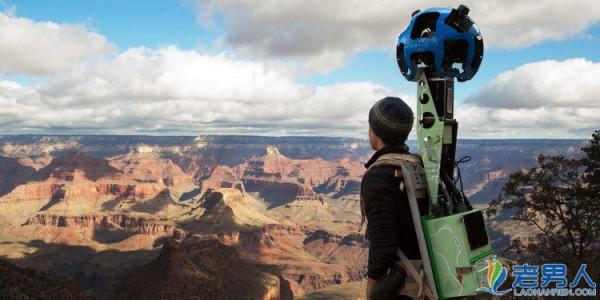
x: 558, y: 201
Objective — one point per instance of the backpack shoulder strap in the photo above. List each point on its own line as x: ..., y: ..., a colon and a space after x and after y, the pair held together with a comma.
x: 399, y: 160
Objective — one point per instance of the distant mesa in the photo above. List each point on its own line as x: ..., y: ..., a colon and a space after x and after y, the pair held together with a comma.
x: 65, y: 168
x: 227, y: 210
x: 272, y: 150
x: 144, y: 149
x: 280, y: 180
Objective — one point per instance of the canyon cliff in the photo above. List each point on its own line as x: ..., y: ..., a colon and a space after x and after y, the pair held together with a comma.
x: 231, y: 217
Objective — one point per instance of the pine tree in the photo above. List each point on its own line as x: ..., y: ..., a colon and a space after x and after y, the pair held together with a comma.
x: 559, y: 200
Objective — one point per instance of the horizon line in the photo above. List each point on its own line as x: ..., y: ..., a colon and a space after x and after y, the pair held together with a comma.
x: 260, y: 136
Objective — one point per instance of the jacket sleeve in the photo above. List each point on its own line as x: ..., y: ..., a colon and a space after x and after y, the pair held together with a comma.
x: 380, y: 192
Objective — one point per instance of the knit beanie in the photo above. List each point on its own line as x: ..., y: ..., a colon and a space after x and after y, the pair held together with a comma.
x: 391, y: 119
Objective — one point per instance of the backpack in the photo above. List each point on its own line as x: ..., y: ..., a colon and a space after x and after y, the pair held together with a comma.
x: 453, y: 247
x: 410, y: 168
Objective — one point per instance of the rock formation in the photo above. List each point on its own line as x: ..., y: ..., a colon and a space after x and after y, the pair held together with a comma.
x: 161, y: 217
x: 12, y: 174
x: 201, y: 270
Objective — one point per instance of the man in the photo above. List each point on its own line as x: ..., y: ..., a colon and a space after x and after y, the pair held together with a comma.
x: 384, y: 205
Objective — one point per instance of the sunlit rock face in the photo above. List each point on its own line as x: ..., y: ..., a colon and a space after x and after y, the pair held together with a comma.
x: 119, y: 214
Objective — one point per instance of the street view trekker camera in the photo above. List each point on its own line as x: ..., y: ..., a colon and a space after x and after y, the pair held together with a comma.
x: 438, y: 46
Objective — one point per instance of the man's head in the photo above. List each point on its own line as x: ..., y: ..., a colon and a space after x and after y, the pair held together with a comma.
x: 390, y: 122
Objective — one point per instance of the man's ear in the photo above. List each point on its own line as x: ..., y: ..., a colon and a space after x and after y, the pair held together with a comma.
x: 381, y: 143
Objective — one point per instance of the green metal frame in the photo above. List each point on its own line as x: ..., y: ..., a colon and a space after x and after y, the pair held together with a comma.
x: 430, y: 139
x: 451, y: 259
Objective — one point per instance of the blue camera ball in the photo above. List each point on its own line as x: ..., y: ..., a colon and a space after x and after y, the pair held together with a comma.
x: 443, y: 41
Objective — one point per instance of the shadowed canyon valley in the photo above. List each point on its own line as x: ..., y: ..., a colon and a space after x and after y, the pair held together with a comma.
x: 210, y: 217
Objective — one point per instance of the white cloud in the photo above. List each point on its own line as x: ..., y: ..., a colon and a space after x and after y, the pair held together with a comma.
x: 41, y: 48
x: 326, y: 33
x: 542, y: 99
x: 570, y: 83
x: 174, y: 91
x: 184, y: 92
x: 93, y: 89
x: 545, y: 122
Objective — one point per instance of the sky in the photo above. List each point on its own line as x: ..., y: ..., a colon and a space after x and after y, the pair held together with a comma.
x: 283, y: 67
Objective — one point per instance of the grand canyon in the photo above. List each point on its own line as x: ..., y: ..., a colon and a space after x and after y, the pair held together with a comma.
x: 207, y: 217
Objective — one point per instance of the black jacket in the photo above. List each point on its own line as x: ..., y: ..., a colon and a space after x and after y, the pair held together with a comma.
x: 389, y: 221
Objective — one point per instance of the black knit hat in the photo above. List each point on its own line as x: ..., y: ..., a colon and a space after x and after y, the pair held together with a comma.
x: 391, y: 119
